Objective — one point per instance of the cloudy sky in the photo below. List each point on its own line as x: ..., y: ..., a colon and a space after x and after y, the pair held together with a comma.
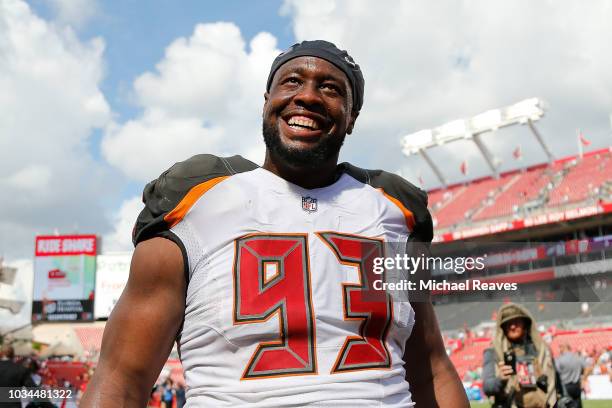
x: 97, y: 98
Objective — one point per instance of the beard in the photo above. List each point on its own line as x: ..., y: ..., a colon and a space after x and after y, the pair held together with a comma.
x: 327, y: 148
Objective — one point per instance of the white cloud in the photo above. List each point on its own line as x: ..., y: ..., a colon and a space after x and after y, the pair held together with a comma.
x: 33, y: 177
x: 120, y: 239
x: 205, y: 96
x: 50, y: 104
x: 75, y: 12
x: 144, y: 147
x: 426, y: 64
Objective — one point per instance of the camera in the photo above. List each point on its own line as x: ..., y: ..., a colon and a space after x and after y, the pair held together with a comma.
x: 510, y: 359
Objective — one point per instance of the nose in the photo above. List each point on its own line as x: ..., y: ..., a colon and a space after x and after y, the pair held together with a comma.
x: 308, y: 95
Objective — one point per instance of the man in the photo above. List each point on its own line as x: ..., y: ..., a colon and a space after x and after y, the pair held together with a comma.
x: 263, y: 275
x: 180, y: 396
x: 518, y: 369
x: 574, y: 371
x: 167, y: 393
x: 13, y: 375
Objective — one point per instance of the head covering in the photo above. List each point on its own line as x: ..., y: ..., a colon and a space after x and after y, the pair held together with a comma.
x: 508, y: 312
x: 329, y: 52
x: 512, y: 311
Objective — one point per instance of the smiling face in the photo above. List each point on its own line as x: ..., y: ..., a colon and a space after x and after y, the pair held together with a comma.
x: 307, y: 113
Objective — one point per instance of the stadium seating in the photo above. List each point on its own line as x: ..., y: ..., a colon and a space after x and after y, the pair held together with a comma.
x: 470, y: 356
x: 454, y: 316
x: 64, y: 370
x: 585, y: 340
x: 583, y: 178
x: 524, y: 187
x: 90, y: 337
x: 550, y: 185
x: 441, y: 197
x: 461, y: 206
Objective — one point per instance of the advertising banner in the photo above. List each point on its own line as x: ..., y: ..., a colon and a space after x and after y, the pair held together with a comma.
x: 112, y: 274
x: 64, y: 278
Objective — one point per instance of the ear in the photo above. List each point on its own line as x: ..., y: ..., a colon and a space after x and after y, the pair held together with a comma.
x: 352, y: 120
x: 265, y: 105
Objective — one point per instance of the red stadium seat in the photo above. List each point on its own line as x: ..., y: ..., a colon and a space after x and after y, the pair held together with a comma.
x: 470, y: 356
x: 583, y: 179
x: 564, y: 182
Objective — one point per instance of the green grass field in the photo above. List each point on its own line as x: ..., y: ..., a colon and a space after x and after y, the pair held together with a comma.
x: 585, y: 404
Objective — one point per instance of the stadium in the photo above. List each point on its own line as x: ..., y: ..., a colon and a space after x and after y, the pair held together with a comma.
x: 105, y: 96
x: 562, y: 210
x: 546, y: 227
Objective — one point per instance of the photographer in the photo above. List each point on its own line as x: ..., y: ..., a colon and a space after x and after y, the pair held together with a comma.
x: 518, y: 368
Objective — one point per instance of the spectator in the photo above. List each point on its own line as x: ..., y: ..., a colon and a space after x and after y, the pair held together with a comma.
x: 530, y: 381
x: 81, y: 384
x: 12, y: 374
x: 573, y: 371
x: 167, y: 394
x: 180, y: 396
x: 33, y: 367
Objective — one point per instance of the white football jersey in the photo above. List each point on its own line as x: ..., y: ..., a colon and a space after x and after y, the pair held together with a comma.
x: 280, y: 309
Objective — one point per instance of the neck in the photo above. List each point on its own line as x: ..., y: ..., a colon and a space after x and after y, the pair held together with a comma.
x: 309, y: 178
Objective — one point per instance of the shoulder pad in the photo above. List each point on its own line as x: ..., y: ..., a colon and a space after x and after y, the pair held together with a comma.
x: 163, y: 195
x: 400, y: 192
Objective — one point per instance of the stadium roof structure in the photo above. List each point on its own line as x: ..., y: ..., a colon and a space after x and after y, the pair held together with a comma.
x: 525, y: 112
x: 7, y: 277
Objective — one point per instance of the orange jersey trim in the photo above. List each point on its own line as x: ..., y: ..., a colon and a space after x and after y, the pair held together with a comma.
x: 178, y: 213
x: 407, y: 213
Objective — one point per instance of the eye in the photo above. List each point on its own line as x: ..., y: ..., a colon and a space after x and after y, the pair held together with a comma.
x: 331, y: 87
x: 292, y: 81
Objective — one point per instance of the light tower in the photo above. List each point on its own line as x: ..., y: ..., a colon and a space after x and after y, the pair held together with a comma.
x: 525, y: 112
x: 7, y: 277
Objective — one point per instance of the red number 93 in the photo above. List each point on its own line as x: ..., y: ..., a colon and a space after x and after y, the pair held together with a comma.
x: 272, y: 278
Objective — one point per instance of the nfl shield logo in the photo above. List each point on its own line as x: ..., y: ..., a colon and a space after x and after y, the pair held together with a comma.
x: 309, y: 204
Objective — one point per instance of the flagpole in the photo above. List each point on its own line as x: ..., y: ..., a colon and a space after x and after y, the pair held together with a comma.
x: 579, y: 143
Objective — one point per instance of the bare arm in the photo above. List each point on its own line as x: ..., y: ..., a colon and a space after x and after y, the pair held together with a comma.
x: 433, y: 379
x: 141, y: 329
x: 584, y: 378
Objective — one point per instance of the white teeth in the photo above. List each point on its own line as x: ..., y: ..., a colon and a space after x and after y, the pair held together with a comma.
x: 303, y: 122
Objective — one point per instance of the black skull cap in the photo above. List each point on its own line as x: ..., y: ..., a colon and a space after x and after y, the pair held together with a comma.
x: 332, y: 54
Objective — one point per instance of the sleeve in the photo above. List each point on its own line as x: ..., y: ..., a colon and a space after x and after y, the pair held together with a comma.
x: 491, y: 385
x: 413, y: 199
x: 409, y: 198
x: 423, y: 231
x: 163, y: 195
x: 585, y: 363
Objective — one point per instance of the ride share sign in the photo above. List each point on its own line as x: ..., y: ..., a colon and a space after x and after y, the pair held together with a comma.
x: 64, y: 278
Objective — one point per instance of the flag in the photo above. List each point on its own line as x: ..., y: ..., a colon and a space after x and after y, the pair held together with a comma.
x: 517, y: 153
x: 464, y: 167
x: 421, y: 182
x: 583, y: 140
